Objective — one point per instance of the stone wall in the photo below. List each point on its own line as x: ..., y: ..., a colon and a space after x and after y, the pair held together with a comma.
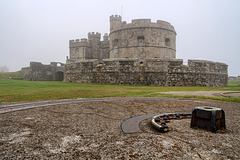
x: 40, y: 72
x: 155, y: 71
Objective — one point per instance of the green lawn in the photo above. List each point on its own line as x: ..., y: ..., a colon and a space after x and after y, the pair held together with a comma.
x: 19, y: 90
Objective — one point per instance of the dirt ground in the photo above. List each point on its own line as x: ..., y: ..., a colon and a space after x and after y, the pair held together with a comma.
x: 92, y: 130
x: 204, y: 93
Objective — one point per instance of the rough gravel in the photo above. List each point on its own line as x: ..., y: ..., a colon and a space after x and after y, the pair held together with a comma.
x: 92, y: 130
x: 204, y: 93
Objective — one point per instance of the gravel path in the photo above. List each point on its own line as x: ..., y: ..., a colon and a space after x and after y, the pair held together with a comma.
x: 10, y: 107
x: 203, y: 93
x: 92, y: 130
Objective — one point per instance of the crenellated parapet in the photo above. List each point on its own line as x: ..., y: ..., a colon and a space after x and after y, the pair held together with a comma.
x: 93, y: 35
x: 147, y: 23
x: 78, y: 43
x: 115, y: 18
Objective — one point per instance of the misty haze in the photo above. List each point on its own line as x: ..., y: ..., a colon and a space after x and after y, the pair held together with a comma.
x: 123, y: 79
x: 39, y: 31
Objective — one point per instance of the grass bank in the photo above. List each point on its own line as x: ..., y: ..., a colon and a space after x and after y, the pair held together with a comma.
x: 19, y: 90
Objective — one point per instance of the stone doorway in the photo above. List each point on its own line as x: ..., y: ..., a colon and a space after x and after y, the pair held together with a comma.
x: 59, y: 76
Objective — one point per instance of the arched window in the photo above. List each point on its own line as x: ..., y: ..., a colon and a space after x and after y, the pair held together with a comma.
x: 167, y: 42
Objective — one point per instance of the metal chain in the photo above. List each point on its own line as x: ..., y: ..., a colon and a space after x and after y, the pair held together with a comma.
x: 160, y: 121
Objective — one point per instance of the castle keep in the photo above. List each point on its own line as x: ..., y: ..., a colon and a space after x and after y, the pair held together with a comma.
x: 141, y: 39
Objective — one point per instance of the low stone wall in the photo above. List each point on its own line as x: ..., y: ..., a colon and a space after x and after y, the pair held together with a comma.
x: 40, y: 72
x: 155, y: 71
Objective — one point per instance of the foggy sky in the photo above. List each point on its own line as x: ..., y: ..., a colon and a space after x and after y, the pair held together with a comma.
x: 40, y: 30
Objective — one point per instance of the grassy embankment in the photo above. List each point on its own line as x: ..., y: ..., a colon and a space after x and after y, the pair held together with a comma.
x: 19, y: 90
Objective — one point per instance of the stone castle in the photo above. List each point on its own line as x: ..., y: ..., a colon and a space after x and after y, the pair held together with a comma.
x: 137, y: 53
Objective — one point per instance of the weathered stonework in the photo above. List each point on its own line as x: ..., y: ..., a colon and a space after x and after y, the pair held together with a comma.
x: 155, y: 71
x: 138, y: 53
x: 39, y: 72
x: 141, y: 39
x: 91, y: 48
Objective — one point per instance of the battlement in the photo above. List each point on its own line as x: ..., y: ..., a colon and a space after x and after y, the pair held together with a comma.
x: 115, y: 18
x: 78, y: 43
x: 84, y: 40
x: 94, y: 35
x: 77, y: 40
x: 141, y: 23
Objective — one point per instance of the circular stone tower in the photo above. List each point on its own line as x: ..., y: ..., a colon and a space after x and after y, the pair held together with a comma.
x: 141, y: 39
